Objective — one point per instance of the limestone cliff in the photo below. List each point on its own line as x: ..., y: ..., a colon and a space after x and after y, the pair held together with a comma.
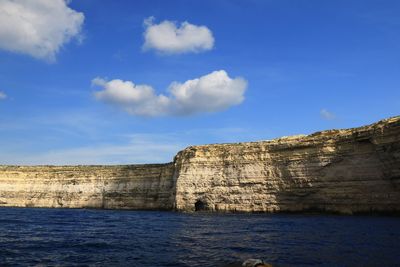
x: 346, y: 171
x: 110, y: 187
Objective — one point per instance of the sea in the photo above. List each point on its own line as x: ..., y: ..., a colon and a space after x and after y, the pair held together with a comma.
x: 84, y: 237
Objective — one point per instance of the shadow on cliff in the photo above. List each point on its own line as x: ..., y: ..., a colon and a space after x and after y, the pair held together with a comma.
x: 363, y: 178
x: 142, y: 187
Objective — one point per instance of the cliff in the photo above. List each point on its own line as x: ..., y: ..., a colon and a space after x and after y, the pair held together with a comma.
x: 345, y: 171
x: 110, y: 187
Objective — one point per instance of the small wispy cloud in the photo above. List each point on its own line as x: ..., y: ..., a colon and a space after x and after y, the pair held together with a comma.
x: 2, y: 95
x: 127, y: 148
x: 209, y: 93
x: 167, y: 37
x: 84, y: 137
x: 327, y: 115
x: 38, y: 28
x: 140, y: 149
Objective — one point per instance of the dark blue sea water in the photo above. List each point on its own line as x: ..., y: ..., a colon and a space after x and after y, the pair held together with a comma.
x: 49, y: 237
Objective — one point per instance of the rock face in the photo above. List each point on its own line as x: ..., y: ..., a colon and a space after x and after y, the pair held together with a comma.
x: 110, y: 187
x: 345, y: 171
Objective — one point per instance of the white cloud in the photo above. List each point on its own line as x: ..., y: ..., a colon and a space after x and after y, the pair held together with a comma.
x: 2, y: 95
x: 38, y: 27
x: 166, y: 37
x: 327, y: 115
x: 210, y: 93
x: 135, y: 99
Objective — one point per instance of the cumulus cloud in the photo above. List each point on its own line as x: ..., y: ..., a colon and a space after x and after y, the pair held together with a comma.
x: 210, y: 93
x: 38, y: 27
x: 167, y: 37
x: 327, y: 115
x: 2, y: 95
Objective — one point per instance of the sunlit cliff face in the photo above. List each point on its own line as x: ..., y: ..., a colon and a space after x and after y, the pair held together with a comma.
x: 345, y: 171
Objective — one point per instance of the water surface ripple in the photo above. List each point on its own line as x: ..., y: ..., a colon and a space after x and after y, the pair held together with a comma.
x: 67, y: 237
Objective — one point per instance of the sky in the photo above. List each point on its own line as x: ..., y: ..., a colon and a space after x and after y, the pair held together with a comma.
x: 129, y: 82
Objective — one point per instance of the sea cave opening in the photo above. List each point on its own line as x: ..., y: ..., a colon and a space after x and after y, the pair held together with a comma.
x: 200, y: 205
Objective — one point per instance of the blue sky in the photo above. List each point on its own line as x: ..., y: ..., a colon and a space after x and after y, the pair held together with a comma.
x: 289, y: 67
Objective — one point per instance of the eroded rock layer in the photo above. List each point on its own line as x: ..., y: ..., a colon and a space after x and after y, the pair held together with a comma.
x: 345, y: 171
x: 109, y: 187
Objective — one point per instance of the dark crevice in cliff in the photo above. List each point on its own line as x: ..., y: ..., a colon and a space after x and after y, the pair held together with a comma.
x: 200, y: 206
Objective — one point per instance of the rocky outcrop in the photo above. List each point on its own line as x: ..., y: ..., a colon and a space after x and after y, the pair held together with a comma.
x: 109, y: 187
x: 345, y: 171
